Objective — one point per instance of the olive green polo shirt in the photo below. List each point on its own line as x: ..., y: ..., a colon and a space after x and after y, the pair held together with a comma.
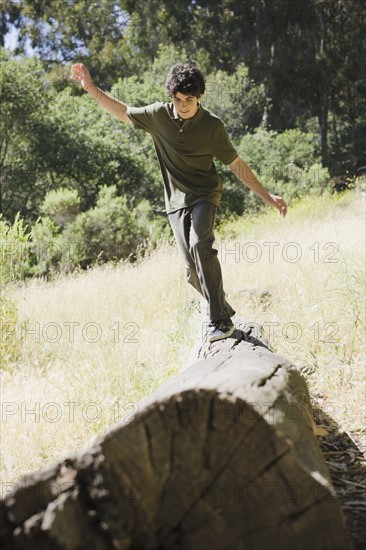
x: 185, y: 151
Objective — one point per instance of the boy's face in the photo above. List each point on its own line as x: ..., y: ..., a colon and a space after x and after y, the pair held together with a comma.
x: 185, y: 105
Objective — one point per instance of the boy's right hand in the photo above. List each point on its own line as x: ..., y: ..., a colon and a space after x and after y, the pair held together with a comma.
x: 80, y: 73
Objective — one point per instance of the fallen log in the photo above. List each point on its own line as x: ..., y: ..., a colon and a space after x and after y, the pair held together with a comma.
x: 223, y: 456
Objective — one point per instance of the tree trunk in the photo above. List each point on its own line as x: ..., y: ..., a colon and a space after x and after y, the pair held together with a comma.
x: 323, y: 133
x: 223, y: 456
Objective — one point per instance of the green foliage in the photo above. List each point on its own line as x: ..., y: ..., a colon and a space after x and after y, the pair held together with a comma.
x: 236, y: 99
x: 347, y: 141
x: 308, y: 57
x: 22, y: 95
x: 61, y: 205
x: 59, y: 31
x: 14, y: 257
x: 286, y: 163
x: 60, y: 139
x: 279, y: 81
x: 47, y: 248
x: 109, y: 231
x: 14, y: 250
x: 9, y: 342
x: 154, y: 224
x: 83, y: 148
x: 149, y: 86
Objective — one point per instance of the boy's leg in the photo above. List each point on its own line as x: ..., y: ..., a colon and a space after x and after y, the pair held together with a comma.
x: 201, y: 239
x: 180, y: 222
x: 193, y: 230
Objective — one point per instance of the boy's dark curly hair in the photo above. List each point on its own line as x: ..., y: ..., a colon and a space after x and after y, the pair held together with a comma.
x: 185, y: 78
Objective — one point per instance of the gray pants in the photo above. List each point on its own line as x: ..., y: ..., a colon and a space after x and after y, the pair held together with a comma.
x: 193, y: 231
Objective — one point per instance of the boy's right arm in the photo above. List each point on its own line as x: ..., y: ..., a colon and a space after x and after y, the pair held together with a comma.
x: 117, y: 108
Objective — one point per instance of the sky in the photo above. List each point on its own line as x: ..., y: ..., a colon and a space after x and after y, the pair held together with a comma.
x: 10, y: 41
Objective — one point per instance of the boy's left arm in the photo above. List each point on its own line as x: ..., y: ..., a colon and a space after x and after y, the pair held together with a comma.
x: 245, y: 174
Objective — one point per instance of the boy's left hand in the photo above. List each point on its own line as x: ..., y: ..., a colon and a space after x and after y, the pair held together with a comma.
x: 280, y: 204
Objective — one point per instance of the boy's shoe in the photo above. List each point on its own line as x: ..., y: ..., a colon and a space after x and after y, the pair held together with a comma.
x: 218, y: 330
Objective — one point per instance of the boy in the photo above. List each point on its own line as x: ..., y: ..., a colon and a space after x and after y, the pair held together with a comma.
x: 187, y: 137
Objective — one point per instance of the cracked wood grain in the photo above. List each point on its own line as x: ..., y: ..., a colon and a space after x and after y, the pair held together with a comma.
x: 212, y: 459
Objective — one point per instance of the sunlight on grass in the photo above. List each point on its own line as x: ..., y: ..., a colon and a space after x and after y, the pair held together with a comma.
x: 313, y: 266
x: 94, y: 343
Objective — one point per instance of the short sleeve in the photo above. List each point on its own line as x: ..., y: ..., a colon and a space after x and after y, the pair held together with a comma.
x: 223, y: 148
x: 143, y: 118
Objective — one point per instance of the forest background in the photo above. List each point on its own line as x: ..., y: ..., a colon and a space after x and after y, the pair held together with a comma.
x: 77, y: 187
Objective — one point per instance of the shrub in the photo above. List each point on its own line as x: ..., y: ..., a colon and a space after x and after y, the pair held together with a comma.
x: 286, y: 163
x: 154, y: 225
x: 111, y: 230
x: 14, y: 250
x: 61, y: 205
x: 108, y: 231
x: 46, y: 247
x: 9, y: 343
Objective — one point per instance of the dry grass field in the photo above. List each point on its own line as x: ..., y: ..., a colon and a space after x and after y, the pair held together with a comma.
x: 92, y: 344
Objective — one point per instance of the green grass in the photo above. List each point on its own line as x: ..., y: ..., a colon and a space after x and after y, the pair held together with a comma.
x: 91, y: 345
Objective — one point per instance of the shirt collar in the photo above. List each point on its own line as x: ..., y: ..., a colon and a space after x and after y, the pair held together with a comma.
x: 174, y: 115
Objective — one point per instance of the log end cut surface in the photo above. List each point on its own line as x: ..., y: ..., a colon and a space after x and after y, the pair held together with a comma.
x: 222, y: 456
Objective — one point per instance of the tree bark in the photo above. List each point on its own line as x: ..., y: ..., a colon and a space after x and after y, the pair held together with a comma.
x: 223, y: 456
x: 323, y: 133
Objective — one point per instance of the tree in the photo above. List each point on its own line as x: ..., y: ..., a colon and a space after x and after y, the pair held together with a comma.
x: 55, y: 139
x: 307, y: 54
x: 22, y: 105
x: 60, y: 32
